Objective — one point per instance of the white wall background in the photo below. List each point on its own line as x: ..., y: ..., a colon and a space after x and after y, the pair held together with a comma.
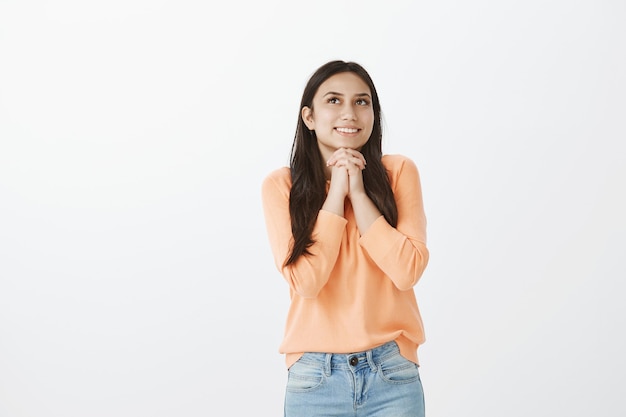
x: 135, y: 274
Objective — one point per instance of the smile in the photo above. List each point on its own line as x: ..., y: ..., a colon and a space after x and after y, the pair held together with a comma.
x: 346, y: 130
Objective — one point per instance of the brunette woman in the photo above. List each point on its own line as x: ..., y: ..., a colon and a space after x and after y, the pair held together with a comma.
x: 347, y: 229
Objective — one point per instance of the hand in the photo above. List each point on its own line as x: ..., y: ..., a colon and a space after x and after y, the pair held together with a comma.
x: 347, y: 166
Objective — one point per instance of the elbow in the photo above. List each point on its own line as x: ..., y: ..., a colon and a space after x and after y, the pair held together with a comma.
x: 305, y: 280
x: 307, y: 295
x: 413, y: 275
x: 409, y: 282
x: 306, y: 291
x: 305, y: 288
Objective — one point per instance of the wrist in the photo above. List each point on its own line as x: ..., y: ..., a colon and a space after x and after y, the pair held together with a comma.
x: 337, y: 191
x: 358, y: 196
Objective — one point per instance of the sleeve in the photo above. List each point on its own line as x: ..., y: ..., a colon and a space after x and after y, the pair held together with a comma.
x: 401, y: 252
x: 309, y: 274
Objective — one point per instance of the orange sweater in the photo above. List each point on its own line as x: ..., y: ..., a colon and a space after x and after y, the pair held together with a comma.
x: 355, y: 292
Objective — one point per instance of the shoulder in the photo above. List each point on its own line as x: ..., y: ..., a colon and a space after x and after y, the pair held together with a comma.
x: 280, y: 175
x: 279, y: 179
x: 402, y: 171
x: 395, y: 164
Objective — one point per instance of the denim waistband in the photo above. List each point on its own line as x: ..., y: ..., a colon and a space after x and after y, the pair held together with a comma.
x: 354, y: 361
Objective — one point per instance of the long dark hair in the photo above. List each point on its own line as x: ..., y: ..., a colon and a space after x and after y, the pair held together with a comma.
x: 308, y: 190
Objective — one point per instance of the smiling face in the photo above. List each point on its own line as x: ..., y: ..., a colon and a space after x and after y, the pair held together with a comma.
x: 342, y: 115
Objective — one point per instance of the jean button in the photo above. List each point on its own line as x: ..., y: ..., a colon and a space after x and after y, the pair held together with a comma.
x: 354, y: 360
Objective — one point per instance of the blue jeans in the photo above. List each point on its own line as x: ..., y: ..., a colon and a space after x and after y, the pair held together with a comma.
x: 375, y: 383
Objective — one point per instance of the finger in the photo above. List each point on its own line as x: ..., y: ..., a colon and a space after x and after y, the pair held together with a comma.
x: 350, y: 161
x: 358, y: 162
x: 341, y: 153
x: 355, y: 154
x: 351, y: 167
x: 347, y: 154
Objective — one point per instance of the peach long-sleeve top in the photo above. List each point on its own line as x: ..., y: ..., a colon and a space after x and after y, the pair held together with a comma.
x: 353, y: 292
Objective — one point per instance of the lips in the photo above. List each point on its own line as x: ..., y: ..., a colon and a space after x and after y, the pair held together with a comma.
x: 346, y: 130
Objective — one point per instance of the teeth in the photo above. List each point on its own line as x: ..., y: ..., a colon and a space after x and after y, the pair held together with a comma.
x: 346, y: 130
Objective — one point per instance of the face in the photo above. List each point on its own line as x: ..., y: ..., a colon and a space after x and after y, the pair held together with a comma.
x: 342, y: 115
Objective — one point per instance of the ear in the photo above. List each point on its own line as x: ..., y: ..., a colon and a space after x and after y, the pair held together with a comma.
x: 307, y: 117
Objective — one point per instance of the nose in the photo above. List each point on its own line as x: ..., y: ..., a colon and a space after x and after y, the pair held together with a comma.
x: 347, y: 112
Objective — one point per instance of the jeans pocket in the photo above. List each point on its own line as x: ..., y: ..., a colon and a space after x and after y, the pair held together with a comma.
x: 398, y: 370
x: 304, y: 376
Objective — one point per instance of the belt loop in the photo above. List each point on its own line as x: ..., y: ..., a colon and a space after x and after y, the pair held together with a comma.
x: 370, y: 360
x: 327, y: 365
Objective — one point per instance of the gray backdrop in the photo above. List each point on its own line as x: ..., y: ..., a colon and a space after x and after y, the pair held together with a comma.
x: 135, y: 274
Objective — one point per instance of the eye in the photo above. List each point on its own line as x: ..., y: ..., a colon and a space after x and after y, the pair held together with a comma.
x: 333, y: 100
x: 362, y: 102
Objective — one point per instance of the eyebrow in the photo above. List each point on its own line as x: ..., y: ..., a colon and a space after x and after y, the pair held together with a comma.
x: 340, y: 94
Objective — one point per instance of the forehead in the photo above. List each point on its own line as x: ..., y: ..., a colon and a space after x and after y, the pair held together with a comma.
x: 347, y: 83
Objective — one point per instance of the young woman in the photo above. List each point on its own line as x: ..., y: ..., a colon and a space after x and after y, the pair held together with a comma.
x: 348, y: 232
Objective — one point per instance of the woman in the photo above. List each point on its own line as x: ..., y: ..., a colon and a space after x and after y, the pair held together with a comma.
x: 348, y: 232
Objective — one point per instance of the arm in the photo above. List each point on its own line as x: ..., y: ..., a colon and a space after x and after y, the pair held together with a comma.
x: 308, y: 275
x: 347, y: 166
x: 401, y: 252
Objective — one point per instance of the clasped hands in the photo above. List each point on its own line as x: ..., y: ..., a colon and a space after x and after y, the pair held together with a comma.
x: 346, y: 173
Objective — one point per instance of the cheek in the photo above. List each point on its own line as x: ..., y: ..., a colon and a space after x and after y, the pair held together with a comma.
x: 325, y: 118
x: 369, y: 119
x: 367, y: 114
x: 326, y: 114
